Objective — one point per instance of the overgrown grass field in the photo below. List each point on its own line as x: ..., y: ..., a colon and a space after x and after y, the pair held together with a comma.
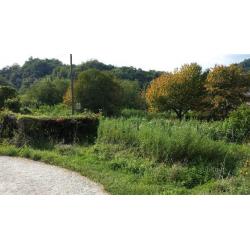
x: 154, y: 156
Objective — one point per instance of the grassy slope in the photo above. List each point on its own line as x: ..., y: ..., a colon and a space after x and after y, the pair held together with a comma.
x: 123, y: 172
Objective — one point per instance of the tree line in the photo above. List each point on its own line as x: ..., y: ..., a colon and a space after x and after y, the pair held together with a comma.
x: 208, y: 94
x: 34, y: 69
x: 211, y: 94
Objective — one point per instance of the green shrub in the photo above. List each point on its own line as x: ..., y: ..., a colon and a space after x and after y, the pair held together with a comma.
x: 52, y: 111
x: 38, y: 130
x: 25, y: 111
x: 189, y: 176
x: 6, y: 92
x: 231, y: 185
x: 13, y: 104
x: 65, y: 130
x: 238, y: 124
x: 46, y: 92
x: 8, y: 124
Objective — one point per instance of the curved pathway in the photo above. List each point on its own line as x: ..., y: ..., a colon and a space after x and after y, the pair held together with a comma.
x: 22, y: 176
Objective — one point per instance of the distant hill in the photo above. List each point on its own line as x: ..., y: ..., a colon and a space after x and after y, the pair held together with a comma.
x: 245, y: 64
x: 235, y: 58
x: 23, y: 77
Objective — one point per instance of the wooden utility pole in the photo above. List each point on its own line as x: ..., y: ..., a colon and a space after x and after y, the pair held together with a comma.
x: 72, y: 86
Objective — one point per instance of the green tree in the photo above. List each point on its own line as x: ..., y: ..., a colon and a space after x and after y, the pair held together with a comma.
x: 39, y: 68
x: 61, y: 72
x: 35, y: 69
x: 22, y: 77
x: 6, y: 93
x: 13, y: 104
x: 94, y: 64
x: 179, y: 91
x: 13, y: 75
x: 133, y: 74
x: 96, y: 90
x: 47, y: 91
x: 245, y: 65
x: 4, y: 81
x: 132, y: 95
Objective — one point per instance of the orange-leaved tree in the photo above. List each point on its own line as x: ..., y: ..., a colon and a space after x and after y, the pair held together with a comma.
x: 225, y: 87
x: 178, y: 91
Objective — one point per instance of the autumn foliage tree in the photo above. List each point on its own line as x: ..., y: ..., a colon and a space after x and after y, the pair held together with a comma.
x: 226, y: 87
x: 179, y: 91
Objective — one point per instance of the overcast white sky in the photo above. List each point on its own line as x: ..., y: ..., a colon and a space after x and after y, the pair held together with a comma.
x: 151, y: 34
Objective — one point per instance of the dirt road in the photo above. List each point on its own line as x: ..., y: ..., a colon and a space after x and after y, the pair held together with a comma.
x: 22, y: 176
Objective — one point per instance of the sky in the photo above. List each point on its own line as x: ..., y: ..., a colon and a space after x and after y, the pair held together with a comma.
x: 148, y: 34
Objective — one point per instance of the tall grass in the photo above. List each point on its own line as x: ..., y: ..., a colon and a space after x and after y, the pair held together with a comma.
x: 59, y: 110
x: 189, y: 142
x: 136, y: 113
x: 54, y: 110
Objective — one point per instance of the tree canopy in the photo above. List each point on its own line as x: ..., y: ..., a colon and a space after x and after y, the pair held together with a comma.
x: 179, y: 91
x: 22, y: 77
x: 245, y: 65
x: 32, y: 70
x: 132, y: 97
x: 213, y: 93
x: 47, y: 91
x: 4, y: 81
x: 95, y: 91
x: 226, y: 87
x: 6, y: 93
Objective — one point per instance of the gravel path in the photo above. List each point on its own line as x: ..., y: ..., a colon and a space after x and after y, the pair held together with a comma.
x: 22, y: 176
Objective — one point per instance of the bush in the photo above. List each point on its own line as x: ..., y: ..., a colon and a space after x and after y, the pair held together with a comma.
x: 52, y: 111
x: 179, y: 175
x: 8, y: 124
x: 13, y: 104
x: 46, y: 92
x: 38, y: 130
x: 132, y: 95
x: 25, y: 111
x: 6, y: 92
x: 238, y: 124
x: 65, y: 130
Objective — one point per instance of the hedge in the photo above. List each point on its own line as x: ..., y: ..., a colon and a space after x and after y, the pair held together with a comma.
x: 8, y: 125
x: 36, y: 129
